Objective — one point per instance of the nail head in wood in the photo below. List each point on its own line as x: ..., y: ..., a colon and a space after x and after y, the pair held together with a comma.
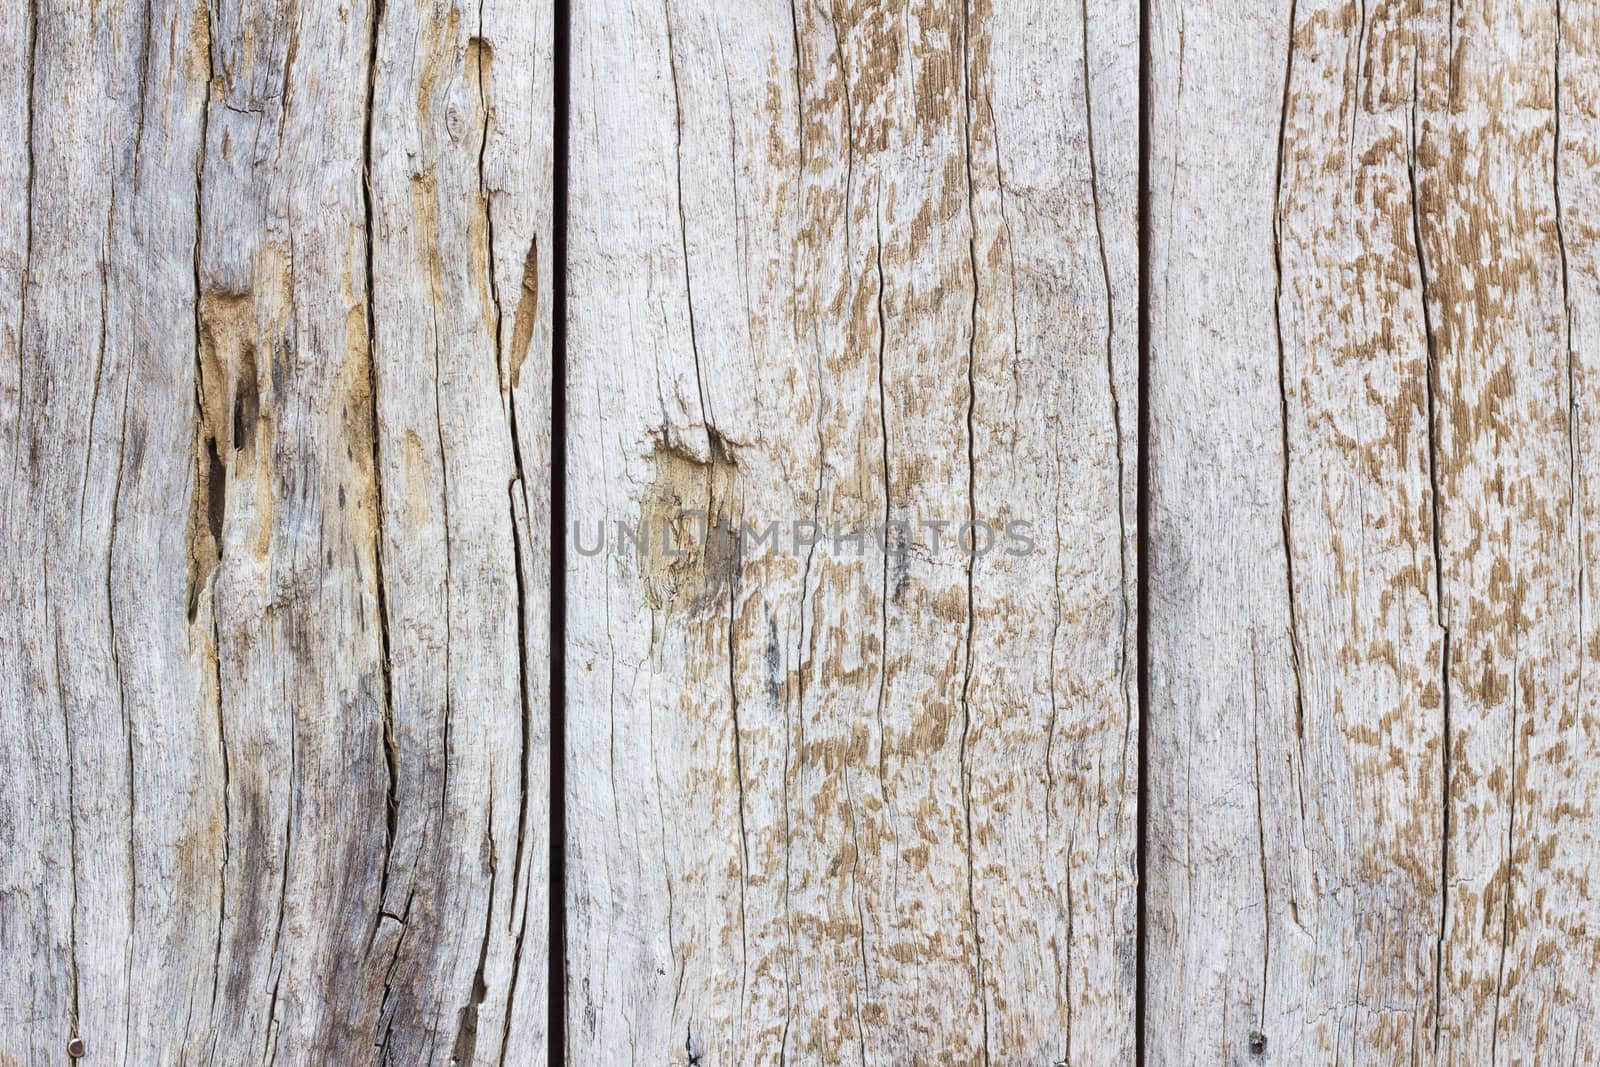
x: 75, y: 1048
x: 1258, y: 1042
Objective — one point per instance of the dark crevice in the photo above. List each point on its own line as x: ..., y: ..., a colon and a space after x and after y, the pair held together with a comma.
x: 227, y: 813
x: 1431, y: 379
x: 99, y: 356
x: 449, y: 564
x: 385, y: 1009
x: 1431, y: 391
x: 799, y: 91
x: 517, y: 527
x: 130, y: 763
x: 216, y: 492
x: 1111, y: 384
x: 849, y: 130
x: 683, y: 236
x: 1011, y: 250
x: 888, y: 510
x: 74, y: 990
x: 972, y: 518
x: 1574, y: 439
x: 275, y: 955
x: 1261, y: 848
x: 204, y: 17
x: 1142, y: 542
x: 246, y: 400
x: 391, y: 755
x: 714, y: 517
x: 466, y: 1039
x: 1444, y: 848
x: 1283, y: 409
x: 1257, y: 1040
x: 556, y: 985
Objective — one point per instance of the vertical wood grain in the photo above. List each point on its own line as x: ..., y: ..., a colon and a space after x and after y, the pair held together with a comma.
x: 1517, y: 954
x: 1368, y: 609
x: 852, y: 266
x: 276, y: 340
x: 237, y: 826
x: 460, y: 269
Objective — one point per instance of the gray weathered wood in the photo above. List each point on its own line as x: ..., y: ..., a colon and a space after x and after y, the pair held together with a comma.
x: 275, y: 727
x: 848, y: 265
x: 460, y: 190
x: 276, y: 288
x: 1370, y: 763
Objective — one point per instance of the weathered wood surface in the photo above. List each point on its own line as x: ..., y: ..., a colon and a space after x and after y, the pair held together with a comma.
x: 276, y: 296
x: 1373, y: 297
x: 275, y: 416
x: 849, y: 265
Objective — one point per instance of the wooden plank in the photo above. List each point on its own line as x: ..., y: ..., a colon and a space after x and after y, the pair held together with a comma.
x: 840, y: 266
x: 1294, y: 755
x: 1518, y: 964
x: 239, y: 824
x: 461, y: 240
x: 285, y: 578
x: 1367, y: 611
x: 111, y: 775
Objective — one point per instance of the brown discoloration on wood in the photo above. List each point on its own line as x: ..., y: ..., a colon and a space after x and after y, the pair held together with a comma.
x: 687, y: 529
x: 526, y: 315
x: 799, y: 236
x: 438, y: 47
x: 1398, y: 847
x: 229, y: 386
x: 197, y: 58
x: 424, y: 215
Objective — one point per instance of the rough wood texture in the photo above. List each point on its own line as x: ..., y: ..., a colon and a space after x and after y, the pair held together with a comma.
x: 276, y: 415
x: 827, y: 802
x: 276, y: 295
x: 1372, y: 291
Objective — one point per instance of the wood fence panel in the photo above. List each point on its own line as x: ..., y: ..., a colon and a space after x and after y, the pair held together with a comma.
x: 1370, y: 277
x: 842, y: 265
x: 882, y: 744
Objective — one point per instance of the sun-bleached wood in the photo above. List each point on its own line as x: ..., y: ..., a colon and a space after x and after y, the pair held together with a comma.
x: 275, y: 410
x: 1372, y: 299
x: 276, y: 287
x: 851, y: 265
